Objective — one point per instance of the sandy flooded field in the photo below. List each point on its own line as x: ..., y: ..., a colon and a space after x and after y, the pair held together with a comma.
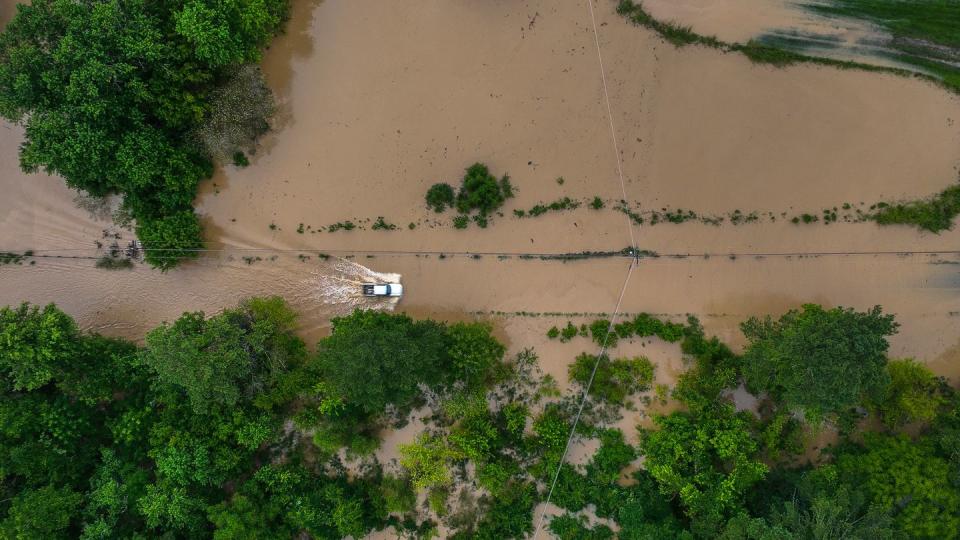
x: 367, y: 125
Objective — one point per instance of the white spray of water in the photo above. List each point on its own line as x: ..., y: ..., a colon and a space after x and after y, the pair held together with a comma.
x: 340, y: 288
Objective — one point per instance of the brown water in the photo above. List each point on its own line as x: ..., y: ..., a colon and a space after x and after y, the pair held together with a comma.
x: 381, y: 99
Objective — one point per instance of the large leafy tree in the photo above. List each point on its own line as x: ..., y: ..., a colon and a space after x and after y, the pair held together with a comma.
x: 907, y: 479
x: 709, y: 459
x: 108, y: 90
x: 817, y: 360
x: 221, y: 359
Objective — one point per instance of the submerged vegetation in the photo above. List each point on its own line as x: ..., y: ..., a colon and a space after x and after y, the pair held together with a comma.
x: 480, y: 192
x: 228, y: 427
x: 934, y: 214
x: 924, y: 35
x: 138, y: 99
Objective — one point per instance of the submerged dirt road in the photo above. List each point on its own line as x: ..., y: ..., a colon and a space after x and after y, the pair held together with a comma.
x: 366, y: 125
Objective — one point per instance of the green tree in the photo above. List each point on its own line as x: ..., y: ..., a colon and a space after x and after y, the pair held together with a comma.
x: 35, y: 345
x: 109, y: 90
x: 219, y: 360
x: 912, y: 395
x: 473, y: 350
x: 40, y: 514
x: 816, y: 360
x: 427, y: 460
x: 373, y: 359
x: 709, y: 460
x: 907, y: 479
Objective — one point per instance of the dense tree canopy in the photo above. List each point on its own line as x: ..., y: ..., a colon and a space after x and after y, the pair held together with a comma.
x: 817, y: 360
x: 109, y: 89
x: 227, y: 427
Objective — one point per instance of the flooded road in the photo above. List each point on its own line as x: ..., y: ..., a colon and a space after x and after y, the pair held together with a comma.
x: 367, y: 125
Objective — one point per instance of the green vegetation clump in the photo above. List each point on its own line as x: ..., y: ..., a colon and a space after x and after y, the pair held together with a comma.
x: 597, y: 203
x: 819, y: 361
x: 935, y: 214
x: 676, y: 34
x: 615, y: 380
x: 9, y: 257
x: 113, y: 93
x: 342, y: 225
x: 564, y: 203
x: 382, y: 225
x: 440, y: 196
x: 480, y: 192
x: 114, y: 263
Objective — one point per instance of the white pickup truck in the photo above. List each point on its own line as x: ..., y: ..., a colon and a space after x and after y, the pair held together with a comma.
x: 383, y: 289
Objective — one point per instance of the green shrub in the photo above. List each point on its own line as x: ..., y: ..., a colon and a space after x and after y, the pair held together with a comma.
x: 481, y: 191
x: 935, y: 214
x: 440, y: 197
x: 240, y: 159
x: 603, y: 334
x: 569, y: 332
x: 615, y: 380
x: 461, y: 222
x: 596, y: 203
x: 382, y: 225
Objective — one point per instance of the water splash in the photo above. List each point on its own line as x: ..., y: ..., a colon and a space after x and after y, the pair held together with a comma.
x: 340, y: 288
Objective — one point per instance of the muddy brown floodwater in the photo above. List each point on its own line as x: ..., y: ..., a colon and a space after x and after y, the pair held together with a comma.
x: 380, y: 99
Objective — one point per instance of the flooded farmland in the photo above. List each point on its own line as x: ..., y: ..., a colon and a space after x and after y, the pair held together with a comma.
x: 365, y: 126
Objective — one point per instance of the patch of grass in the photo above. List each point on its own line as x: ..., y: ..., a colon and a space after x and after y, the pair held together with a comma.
x: 934, y: 214
x: 113, y: 263
x: 597, y: 203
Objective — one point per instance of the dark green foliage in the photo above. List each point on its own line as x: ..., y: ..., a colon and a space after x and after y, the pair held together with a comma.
x: 708, y: 459
x: 570, y: 527
x: 35, y: 345
x: 169, y: 239
x: 597, y: 203
x: 564, y: 203
x: 461, y: 222
x: 716, y: 368
x: 440, y: 196
x: 816, y: 360
x: 615, y: 380
x: 374, y: 359
x: 240, y: 159
x: 219, y: 360
x: 906, y: 479
x: 382, y: 225
x: 42, y: 513
x: 481, y: 191
x: 342, y: 225
x: 109, y: 91
x: 934, y: 214
x: 553, y: 332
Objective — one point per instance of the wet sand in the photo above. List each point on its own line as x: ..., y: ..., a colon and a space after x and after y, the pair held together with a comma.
x: 366, y: 125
